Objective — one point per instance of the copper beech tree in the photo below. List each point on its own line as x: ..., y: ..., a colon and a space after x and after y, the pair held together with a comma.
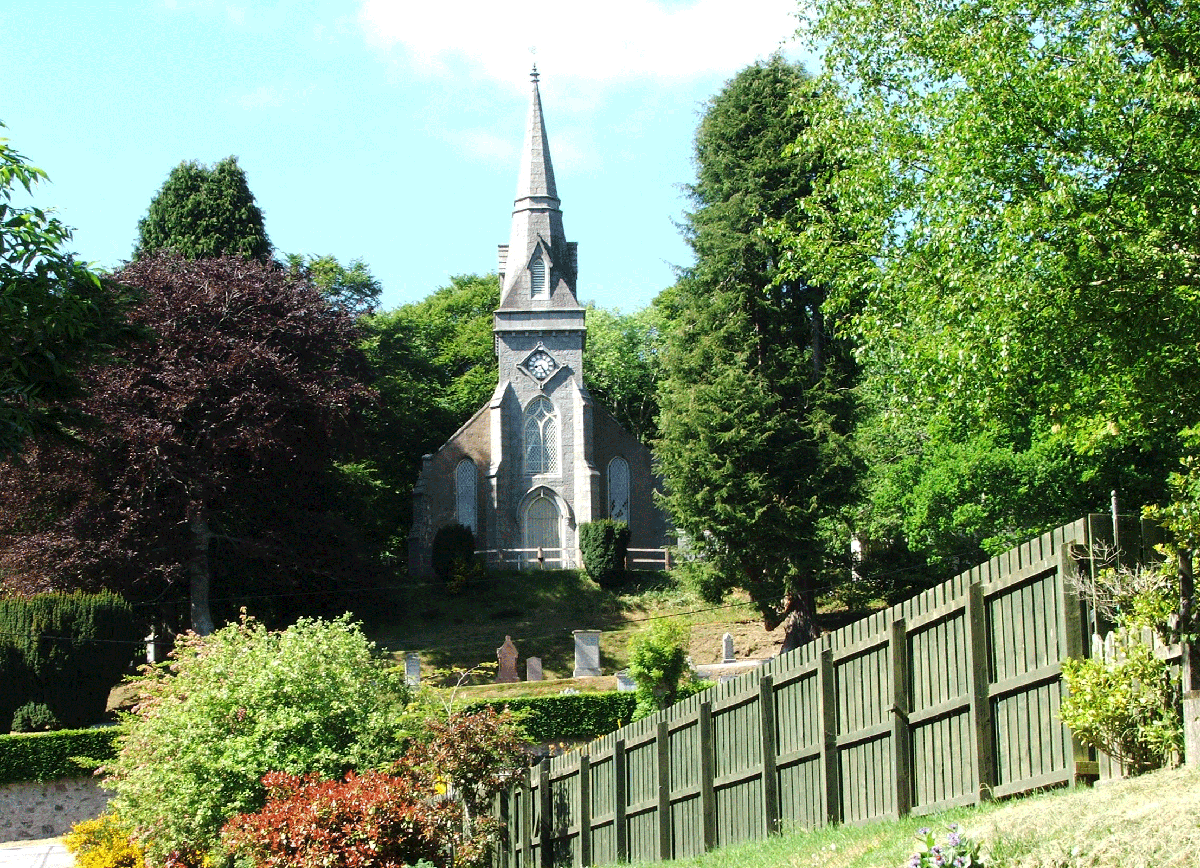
x: 217, y: 433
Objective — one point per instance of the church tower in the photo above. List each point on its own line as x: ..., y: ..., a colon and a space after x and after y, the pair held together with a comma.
x: 538, y: 460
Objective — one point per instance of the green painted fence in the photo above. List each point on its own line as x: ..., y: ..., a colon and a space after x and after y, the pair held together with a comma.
x: 947, y: 699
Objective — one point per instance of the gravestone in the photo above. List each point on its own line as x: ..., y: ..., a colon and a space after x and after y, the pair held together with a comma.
x: 412, y: 669
x: 587, y: 654
x: 727, y: 648
x: 507, y: 655
x: 625, y: 683
x: 533, y: 668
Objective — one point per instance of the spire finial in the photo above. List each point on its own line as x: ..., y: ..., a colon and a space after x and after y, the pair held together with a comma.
x: 533, y: 76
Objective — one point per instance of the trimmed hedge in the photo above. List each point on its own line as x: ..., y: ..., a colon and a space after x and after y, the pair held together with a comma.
x: 604, y: 545
x: 64, y: 651
x: 45, y: 756
x: 574, y: 715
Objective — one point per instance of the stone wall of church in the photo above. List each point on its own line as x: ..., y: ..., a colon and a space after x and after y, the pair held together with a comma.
x: 647, y: 523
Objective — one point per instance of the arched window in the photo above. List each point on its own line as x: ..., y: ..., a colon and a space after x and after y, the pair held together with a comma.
x: 465, y: 496
x: 618, y: 490
x: 541, y: 437
x: 537, y: 278
x: 541, y: 524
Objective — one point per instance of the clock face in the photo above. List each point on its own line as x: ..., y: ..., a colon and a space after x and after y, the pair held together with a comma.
x: 540, y: 364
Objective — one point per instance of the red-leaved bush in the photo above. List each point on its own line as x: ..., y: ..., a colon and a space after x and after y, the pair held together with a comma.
x: 431, y: 808
x: 372, y: 820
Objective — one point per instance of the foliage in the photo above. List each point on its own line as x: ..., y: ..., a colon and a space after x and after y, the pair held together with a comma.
x: 230, y: 707
x: 34, y: 717
x: 604, y: 545
x: 547, y: 719
x: 372, y: 820
x: 55, y: 313
x: 657, y: 662
x: 453, y: 547
x: 213, y: 451
x: 959, y: 851
x: 64, y: 651
x: 203, y: 212
x: 45, y: 756
x: 1127, y: 707
x: 103, y: 843
x: 351, y: 288
x: 1010, y: 226
x: 622, y: 366
x: 432, y: 807
x: 756, y: 409
x: 433, y: 366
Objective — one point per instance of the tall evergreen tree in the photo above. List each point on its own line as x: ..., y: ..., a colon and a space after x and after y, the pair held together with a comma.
x: 202, y: 212
x: 755, y: 400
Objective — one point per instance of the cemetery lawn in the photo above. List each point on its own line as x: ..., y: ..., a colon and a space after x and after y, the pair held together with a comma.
x: 540, y: 609
x: 1146, y: 822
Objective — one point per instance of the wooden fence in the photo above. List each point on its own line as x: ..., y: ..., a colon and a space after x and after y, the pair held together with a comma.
x: 949, y: 698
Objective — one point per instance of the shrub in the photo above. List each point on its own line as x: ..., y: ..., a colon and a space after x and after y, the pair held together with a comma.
x: 574, y: 716
x: 604, y: 545
x: 34, y: 717
x: 64, y: 651
x: 230, y: 707
x: 452, y: 544
x: 657, y: 662
x: 432, y: 806
x: 371, y: 820
x: 103, y: 843
x: 1128, y: 708
x: 45, y: 756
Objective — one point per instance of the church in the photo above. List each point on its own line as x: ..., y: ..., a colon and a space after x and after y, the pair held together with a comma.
x: 540, y: 458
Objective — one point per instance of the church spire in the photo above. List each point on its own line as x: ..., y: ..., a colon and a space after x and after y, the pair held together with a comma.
x: 537, y: 265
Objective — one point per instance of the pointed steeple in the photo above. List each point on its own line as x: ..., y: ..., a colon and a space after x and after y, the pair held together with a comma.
x: 537, y: 264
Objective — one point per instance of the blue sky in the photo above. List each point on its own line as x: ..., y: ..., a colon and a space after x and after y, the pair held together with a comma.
x: 383, y: 130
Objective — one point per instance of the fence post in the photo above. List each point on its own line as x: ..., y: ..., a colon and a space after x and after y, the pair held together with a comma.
x: 1070, y: 628
x: 770, y: 780
x: 901, y: 706
x: 546, y: 816
x: 983, y: 746
x: 526, y: 797
x: 584, y: 850
x: 662, y: 746
x: 708, y: 772
x: 827, y: 719
x: 621, y: 798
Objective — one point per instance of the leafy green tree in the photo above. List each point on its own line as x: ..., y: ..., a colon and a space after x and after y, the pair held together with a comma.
x: 657, y: 663
x: 433, y: 366
x: 230, y: 707
x: 202, y: 212
x: 55, y: 314
x: 622, y: 366
x: 348, y: 287
x: 1017, y: 220
x: 756, y: 408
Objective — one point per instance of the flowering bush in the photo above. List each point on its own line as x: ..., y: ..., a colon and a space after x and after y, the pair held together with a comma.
x: 958, y: 851
x: 103, y: 843
x: 230, y: 707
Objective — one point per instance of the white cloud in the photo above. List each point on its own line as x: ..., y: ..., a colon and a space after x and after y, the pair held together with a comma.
x: 613, y: 41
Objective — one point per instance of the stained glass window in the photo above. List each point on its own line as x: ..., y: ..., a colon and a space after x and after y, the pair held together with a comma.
x: 618, y: 490
x: 541, y: 437
x: 465, y: 497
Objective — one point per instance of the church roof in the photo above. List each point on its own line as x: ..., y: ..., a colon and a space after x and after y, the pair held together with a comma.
x: 537, y: 226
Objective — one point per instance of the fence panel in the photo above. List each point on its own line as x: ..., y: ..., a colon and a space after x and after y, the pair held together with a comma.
x: 948, y: 698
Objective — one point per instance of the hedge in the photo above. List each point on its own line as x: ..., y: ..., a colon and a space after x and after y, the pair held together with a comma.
x: 45, y: 756
x: 573, y: 715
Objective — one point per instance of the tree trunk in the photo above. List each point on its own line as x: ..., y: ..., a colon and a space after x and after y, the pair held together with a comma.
x: 199, y: 569
x: 797, y: 614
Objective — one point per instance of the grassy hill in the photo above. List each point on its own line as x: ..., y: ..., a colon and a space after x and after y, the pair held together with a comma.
x: 1148, y: 822
x: 540, y: 609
